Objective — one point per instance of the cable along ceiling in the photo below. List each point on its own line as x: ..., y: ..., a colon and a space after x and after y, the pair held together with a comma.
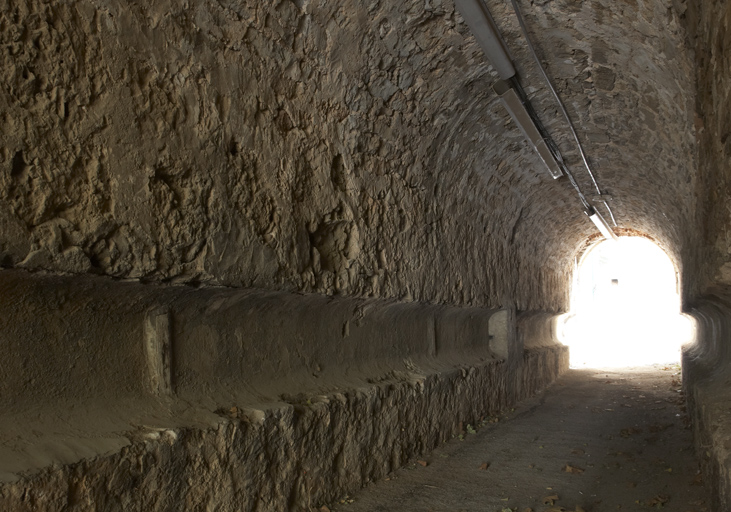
x: 516, y: 101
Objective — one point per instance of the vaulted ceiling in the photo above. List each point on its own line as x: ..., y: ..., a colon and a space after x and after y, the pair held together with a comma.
x: 344, y: 147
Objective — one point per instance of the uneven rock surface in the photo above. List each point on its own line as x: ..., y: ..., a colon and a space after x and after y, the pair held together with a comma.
x: 709, y: 26
x: 339, y: 148
x: 129, y: 396
x: 597, y: 440
x: 299, y: 454
x: 294, y: 145
x: 706, y: 377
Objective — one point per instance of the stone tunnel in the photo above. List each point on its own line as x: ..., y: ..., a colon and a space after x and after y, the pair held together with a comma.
x: 258, y: 254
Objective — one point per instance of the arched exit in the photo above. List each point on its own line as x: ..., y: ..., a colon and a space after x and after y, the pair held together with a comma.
x: 625, y: 307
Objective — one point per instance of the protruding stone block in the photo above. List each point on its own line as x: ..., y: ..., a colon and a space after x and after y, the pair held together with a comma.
x: 158, y: 348
x: 499, y: 330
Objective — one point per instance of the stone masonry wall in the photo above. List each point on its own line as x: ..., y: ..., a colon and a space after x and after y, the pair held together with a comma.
x: 296, y: 457
x: 302, y: 400
x: 334, y: 148
x: 299, y: 145
x: 706, y: 374
x: 709, y: 255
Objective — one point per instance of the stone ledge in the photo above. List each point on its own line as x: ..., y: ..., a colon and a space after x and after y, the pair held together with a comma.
x: 296, y: 456
x: 121, y: 396
x: 706, y: 378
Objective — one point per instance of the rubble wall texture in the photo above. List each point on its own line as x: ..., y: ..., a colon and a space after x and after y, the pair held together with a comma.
x: 346, y: 150
x: 709, y: 26
x: 289, y: 145
x: 333, y: 148
x: 706, y: 374
x: 292, y: 458
x: 96, y: 433
x: 351, y: 149
x: 707, y: 363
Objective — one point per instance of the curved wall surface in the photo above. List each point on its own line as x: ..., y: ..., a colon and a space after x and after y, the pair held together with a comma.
x: 201, y: 202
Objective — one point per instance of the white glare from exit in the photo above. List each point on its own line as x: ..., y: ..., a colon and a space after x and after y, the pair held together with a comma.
x: 625, y: 307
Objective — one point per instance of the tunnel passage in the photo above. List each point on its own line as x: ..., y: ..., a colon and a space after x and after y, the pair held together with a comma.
x: 347, y: 150
x: 597, y: 440
x: 625, y: 306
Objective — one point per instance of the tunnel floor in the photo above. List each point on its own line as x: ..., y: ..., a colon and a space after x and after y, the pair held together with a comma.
x: 597, y: 440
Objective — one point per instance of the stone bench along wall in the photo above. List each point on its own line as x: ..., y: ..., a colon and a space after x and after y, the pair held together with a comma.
x: 264, y: 401
x: 706, y: 374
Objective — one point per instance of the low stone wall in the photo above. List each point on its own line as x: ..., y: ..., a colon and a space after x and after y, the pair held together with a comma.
x: 219, y: 399
x: 544, y: 357
x: 706, y: 378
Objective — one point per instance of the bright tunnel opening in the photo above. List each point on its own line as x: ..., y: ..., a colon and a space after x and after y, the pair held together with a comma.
x: 625, y: 307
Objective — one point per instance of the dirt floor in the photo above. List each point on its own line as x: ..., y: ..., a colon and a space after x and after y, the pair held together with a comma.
x: 597, y: 440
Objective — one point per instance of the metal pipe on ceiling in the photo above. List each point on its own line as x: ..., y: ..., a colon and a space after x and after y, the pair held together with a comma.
x: 532, y: 49
x: 483, y: 27
x: 480, y: 21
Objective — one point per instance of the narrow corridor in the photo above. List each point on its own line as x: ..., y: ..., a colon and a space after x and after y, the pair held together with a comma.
x: 597, y: 440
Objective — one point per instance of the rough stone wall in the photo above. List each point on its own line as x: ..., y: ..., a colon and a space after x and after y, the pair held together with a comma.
x: 310, y: 146
x: 707, y: 250
x: 296, y: 457
x: 706, y: 375
x: 709, y: 29
x: 275, y: 401
x: 627, y: 79
x: 302, y: 145
x: 335, y: 148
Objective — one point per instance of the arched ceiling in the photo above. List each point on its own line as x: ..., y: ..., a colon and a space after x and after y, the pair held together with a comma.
x: 334, y: 147
x: 627, y: 80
